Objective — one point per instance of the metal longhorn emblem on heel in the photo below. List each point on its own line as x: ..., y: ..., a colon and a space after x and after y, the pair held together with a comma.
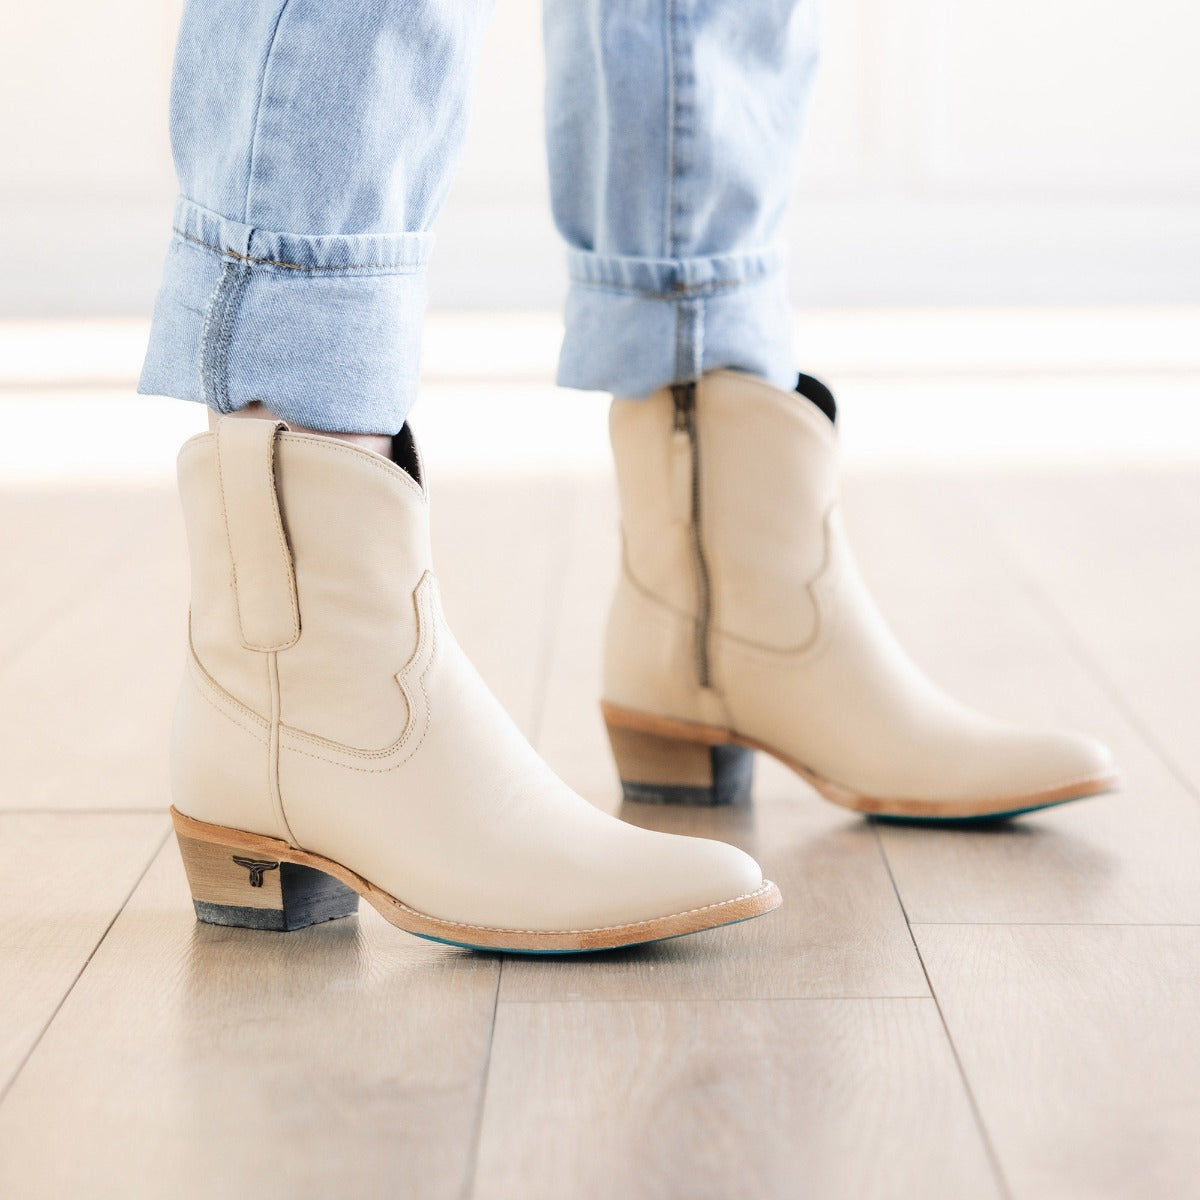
x: 657, y: 769
x: 250, y: 891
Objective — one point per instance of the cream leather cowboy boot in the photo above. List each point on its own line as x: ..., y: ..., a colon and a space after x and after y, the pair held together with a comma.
x: 740, y: 623
x: 332, y: 740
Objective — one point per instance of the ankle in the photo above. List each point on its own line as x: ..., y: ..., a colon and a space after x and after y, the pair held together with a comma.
x: 379, y: 443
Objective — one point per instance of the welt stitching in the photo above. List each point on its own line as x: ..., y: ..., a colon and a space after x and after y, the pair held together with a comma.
x: 395, y: 268
x: 599, y: 928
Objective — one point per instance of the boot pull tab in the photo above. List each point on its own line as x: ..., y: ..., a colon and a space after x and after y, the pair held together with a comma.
x: 264, y: 580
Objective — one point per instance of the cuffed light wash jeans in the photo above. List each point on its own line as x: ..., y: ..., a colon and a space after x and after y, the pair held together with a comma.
x: 315, y: 143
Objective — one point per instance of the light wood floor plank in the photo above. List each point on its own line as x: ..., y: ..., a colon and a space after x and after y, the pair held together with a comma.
x: 632, y: 1101
x: 1116, y: 554
x: 85, y: 711
x: 840, y: 932
x: 1082, y: 1046
x: 63, y: 878
x: 947, y: 584
x: 193, y: 1061
x: 570, y: 734
x: 57, y: 543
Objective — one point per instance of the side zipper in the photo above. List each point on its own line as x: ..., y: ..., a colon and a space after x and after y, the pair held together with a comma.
x: 684, y: 396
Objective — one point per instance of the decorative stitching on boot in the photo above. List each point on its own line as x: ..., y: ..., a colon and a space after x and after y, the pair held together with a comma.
x: 424, y: 655
x: 223, y: 702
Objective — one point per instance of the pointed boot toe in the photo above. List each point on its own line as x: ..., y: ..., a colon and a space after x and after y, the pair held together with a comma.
x: 709, y: 872
x: 727, y: 872
x: 1053, y: 766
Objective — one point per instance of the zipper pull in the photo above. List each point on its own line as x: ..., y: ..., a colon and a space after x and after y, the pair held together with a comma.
x: 682, y: 442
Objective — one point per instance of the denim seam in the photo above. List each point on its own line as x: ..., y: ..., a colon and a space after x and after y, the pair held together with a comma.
x: 217, y: 333
x: 679, y: 346
x: 698, y: 337
x: 390, y: 268
x: 689, y: 314
x: 258, y: 103
x: 678, y: 293
x: 669, y: 73
x: 689, y: 337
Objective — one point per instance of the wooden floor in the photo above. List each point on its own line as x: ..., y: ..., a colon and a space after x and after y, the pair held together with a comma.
x: 1009, y: 1012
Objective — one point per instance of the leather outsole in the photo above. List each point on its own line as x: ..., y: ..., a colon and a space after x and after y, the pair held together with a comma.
x: 237, y: 878
x: 673, y: 732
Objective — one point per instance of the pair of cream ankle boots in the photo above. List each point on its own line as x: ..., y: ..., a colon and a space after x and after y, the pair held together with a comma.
x: 333, y: 741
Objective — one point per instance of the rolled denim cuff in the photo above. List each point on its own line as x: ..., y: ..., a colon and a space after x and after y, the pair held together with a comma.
x: 324, y: 330
x: 634, y: 325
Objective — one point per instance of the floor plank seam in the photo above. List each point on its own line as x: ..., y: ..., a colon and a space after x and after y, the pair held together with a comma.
x: 985, y: 1136
x: 1078, y: 648
x: 554, y: 598
x: 809, y: 999
x: 37, y: 1041
x: 51, y: 811
x: 477, y: 1132
x: 1062, y: 924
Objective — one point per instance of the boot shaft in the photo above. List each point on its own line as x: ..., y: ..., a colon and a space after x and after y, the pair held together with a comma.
x: 725, y: 494
x: 305, y: 556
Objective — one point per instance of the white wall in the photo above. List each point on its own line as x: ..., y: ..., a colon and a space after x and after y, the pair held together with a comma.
x: 1040, y: 151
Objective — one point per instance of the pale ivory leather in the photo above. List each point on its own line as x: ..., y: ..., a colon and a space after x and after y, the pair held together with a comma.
x: 327, y: 703
x: 801, y: 661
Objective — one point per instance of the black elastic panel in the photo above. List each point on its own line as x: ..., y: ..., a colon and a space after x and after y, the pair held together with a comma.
x: 813, y: 389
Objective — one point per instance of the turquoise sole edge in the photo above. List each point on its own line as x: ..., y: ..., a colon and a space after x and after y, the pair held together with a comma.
x: 984, y: 819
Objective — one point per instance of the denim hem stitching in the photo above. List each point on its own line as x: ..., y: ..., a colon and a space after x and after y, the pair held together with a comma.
x: 217, y: 334
x: 678, y: 292
x: 689, y: 340
x: 391, y: 268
